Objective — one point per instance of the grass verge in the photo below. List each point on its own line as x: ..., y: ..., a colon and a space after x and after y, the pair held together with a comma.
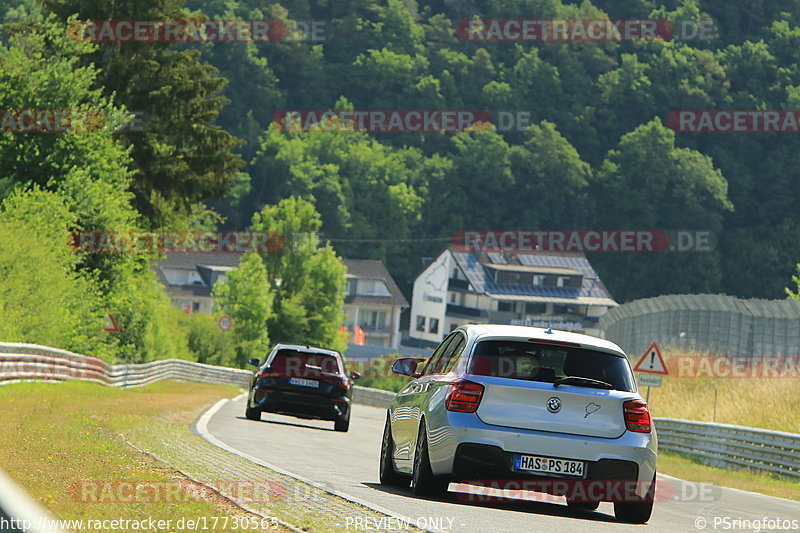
x: 56, y: 437
x: 753, y: 402
x: 684, y: 467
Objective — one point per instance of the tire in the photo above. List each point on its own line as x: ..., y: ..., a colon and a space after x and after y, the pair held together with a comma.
x: 388, y: 474
x: 582, y: 506
x: 636, y: 512
x: 423, y: 482
x: 342, y: 424
x: 252, y: 414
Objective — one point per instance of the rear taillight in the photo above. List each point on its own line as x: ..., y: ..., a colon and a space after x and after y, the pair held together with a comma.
x: 637, y: 416
x: 464, y: 396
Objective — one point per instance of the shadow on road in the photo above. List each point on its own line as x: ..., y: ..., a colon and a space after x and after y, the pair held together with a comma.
x: 282, y: 423
x: 521, y: 506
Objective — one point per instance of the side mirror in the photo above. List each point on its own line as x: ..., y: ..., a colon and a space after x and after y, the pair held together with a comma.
x: 355, y: 375
x: 406, y: 366
x: 254, y: 362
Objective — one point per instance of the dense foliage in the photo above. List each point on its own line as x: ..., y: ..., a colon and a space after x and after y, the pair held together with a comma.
x: 597, y: 155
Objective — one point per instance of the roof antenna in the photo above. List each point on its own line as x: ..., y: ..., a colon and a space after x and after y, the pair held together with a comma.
x: 549, y: 329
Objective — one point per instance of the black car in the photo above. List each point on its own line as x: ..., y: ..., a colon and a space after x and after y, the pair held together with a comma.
x: 302, y: 381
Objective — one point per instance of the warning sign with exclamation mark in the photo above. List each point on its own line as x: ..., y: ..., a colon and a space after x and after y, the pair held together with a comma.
x: 651, y: 362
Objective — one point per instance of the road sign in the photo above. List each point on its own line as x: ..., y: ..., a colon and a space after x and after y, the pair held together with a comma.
x: 225, y: 323
x: 650, y: 380
x: 112, y: 326
x: 651, y: 362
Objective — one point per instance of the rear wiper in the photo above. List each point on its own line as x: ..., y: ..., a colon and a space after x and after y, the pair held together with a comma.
x: 579, y: 380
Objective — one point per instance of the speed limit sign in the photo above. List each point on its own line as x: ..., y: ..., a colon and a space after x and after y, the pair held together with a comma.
x: 225, y: 323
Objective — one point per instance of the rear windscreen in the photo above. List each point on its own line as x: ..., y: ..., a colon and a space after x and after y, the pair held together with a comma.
x: 543, y: 362
x: 304, y: 365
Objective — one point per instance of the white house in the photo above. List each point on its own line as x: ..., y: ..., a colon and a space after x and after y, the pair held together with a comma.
x: 541, y: 289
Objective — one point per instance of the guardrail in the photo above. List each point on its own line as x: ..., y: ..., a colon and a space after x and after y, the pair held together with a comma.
x: 720, y: 445
x: 21, y: 362
x: 725, y: 445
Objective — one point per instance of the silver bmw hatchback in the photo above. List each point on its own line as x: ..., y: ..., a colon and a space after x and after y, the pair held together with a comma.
x: 558, y: 411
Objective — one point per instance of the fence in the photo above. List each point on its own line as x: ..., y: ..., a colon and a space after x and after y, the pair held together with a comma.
x: 708, y: 322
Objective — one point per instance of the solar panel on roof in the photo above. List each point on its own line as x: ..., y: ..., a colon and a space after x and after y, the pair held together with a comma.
x: 497, y: 258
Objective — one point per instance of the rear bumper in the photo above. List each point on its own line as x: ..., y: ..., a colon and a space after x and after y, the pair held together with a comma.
x: 301, y: 405
x: 469, y: 449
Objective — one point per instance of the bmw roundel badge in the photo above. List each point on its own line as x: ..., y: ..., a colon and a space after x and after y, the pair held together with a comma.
x: 554, y: 405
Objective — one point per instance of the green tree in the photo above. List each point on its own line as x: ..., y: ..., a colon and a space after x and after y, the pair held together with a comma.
x: 552, y: 180
x: 794, y: 294
x: 182, y: 157
x: 307, y: 278
x: 43, y: 298
x: 246, y: 296
x: 203, y: 336
x: 649, y: 184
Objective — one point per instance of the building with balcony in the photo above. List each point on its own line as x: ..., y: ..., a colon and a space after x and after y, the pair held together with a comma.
x: 540, y: 289
x: 373, y: 301
x: 189, y: 278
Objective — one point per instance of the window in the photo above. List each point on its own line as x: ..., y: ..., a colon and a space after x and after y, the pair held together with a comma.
x: 432, y: 362
x: 514, y: 278
x: 372, y: 287
x: 449, y: 361
x: 505, y: 306
x: 293, y: 363
x: 421, y: 323
x: 195, y: 306
x: 535, y: 308
x: 452, y: 297
x: 433, y: 326
x: 373, y: 320
x: 352, y: 283
x: 560, y: 281
x: 565, y: 310
x: 447, y: 355
x: 531, y: 361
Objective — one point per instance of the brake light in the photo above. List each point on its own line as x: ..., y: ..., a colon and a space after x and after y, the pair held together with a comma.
x: 556, y: 343
x: 464, y: 396
x: 637, y: 416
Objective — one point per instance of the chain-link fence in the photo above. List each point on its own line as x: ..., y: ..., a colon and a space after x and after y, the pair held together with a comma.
x: 712, y: 323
